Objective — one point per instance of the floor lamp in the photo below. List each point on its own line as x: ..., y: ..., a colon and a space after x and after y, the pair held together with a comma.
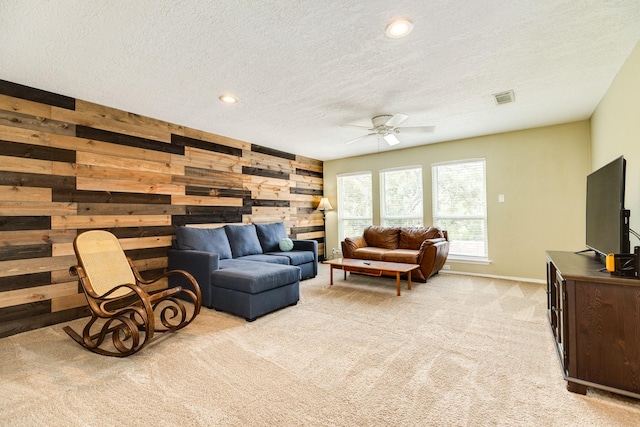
x: 323, y: 207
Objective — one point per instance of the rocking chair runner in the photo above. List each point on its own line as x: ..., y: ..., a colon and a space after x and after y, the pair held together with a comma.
x: 112, y: 285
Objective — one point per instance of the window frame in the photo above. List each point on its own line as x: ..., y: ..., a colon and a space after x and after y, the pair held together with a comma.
x: 383, y: 213
x: 437, y: 216
x: 341, y: 210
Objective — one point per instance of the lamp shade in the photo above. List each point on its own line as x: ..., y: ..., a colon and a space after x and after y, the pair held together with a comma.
x: 324, y: 205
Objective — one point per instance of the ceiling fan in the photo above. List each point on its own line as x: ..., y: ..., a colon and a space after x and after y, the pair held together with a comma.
x: 387, y: 126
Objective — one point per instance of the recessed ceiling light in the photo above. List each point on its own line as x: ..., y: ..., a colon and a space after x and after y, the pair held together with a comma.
x: 399, y: 28
x: 228, y: 99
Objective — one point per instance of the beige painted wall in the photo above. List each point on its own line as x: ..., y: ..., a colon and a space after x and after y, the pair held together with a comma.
x: 615, y: 131
x: 541, y: 172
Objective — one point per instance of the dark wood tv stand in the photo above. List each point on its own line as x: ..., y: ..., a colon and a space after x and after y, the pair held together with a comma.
x: 595, y: 320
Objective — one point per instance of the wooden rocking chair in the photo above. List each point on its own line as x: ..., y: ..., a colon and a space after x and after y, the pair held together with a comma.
x: 113, y: 289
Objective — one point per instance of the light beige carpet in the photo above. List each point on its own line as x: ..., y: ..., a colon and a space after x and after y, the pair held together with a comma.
x: 458, y: 351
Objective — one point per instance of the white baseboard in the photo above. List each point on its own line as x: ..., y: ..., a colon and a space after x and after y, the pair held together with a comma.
x: 493, y: 276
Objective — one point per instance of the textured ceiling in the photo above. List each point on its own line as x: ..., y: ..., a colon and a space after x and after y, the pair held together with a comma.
x: 302, y: 69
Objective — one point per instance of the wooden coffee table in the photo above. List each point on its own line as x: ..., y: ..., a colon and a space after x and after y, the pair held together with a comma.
x: 372, y: 268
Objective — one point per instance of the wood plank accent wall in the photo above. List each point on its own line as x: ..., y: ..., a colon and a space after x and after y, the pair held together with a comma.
x: 68, y: 165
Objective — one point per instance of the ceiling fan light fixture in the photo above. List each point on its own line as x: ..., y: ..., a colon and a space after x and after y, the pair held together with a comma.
x: 399, y: 28
x: 387, y: 126
x: 391, y: 139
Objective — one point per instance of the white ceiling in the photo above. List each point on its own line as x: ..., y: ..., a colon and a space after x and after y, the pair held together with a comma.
x: 302, y: 69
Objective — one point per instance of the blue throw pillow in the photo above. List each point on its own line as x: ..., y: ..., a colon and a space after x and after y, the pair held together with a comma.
x: 270, y: 235
x: 204, y: 239
x: 243, y: 240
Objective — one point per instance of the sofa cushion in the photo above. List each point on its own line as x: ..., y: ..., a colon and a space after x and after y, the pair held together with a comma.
x: 204, y: 239
x: 267, y: 258
x: 247, y: 276
x: 412, y: 237
x: 295, y: 257
x: 382, y: 237
x: 243, y: 240
x: 406, y: 256
x: 270, y: 235
x: 376, y: 254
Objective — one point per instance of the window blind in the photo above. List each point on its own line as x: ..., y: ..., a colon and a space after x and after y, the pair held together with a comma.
x: 355, y: 211
x: 401, y: 197
x: 460, y: 205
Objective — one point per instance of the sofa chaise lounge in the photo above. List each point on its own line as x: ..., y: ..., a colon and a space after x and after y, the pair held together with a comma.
x: 241, y: 268
x: 425, y: 246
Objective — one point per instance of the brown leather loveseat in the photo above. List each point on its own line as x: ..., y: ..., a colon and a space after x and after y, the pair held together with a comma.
x: 426, y: 246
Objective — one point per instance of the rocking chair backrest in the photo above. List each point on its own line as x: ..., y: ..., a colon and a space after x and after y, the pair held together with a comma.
x: 103, y: 261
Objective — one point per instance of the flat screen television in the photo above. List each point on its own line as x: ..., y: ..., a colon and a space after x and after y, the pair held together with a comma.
x: 607, y: 219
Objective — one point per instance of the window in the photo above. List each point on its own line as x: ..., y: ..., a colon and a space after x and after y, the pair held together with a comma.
x: 460, y: 206
x: 401, y: 197
x: 355, y: 210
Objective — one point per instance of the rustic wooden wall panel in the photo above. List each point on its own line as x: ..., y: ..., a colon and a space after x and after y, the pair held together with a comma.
x: 127, y: 140
x: 67, y: 166
x: 109, y: 119
x: 270, y: 151
x: 60, y: 195
x: 9, y: 103
x: 93, y: 146
x: 184, y: 141
x: 35, y: 265
x: 213, y: 138
x: 25, y: 281
x: 119, y: 162
x: 19, y: 194
x: 129, y: 209
x: 210, y: 178
x: 33, y: 94
x: 205, y: 201
x: 38, y: 123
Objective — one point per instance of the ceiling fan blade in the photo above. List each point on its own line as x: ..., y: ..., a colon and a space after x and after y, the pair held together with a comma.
x: 417, y: 129
x: 396, y: 119
x: 357, y: 126
x: 391, y: 139
x: 359, y: 138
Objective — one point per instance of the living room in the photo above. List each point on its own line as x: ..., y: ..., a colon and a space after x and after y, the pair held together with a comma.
x: 71, y: 164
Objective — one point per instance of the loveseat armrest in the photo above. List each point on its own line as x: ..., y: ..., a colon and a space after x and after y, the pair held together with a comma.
x: 305, y: 245
x: 308, y: 245
x: 199, y: 264
x: 429, y: 242
x: 433, y: 254
x: 350, y: 244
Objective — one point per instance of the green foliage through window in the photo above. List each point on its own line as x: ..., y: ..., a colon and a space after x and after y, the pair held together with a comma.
x: 355, y: 205
x: 460, y: 205
x: 401, y: 197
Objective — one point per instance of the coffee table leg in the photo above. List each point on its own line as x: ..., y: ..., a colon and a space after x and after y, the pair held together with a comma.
x: 409, y: 280
x: 398, y: 282
x: 331, y: 276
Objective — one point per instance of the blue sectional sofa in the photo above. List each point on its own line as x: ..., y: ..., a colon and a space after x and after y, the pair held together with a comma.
x: 241, y: 268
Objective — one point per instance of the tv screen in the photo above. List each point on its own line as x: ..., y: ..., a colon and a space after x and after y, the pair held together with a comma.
x: 607, y: 220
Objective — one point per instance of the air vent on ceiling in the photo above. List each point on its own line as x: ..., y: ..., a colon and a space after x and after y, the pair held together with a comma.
x: 504, y: 97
